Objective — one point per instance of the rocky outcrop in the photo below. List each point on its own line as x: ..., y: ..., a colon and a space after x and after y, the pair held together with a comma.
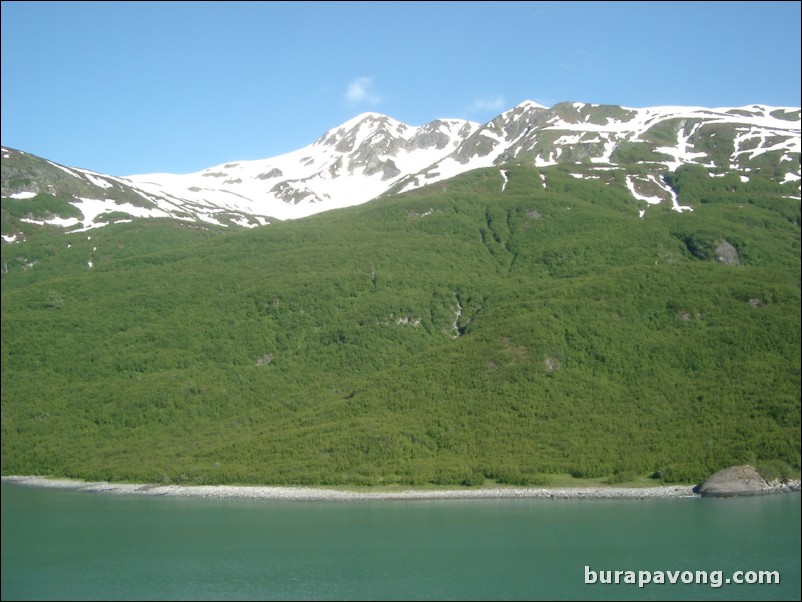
x: 726, y: 253
x: 740, y: 480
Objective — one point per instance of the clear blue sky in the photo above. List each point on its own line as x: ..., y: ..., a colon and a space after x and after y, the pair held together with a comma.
x: 137, y: 87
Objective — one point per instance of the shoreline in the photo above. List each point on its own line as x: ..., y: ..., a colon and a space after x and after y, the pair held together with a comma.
x: 284, y: 493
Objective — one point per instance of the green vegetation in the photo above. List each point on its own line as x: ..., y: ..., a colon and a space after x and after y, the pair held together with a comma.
x: 591, y: 113
x: 637, y: 152
x: 444, y: 337
x: 39, y: 207
x: 48, y: 253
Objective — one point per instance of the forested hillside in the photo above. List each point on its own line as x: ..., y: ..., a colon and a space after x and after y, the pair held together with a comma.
x: 494, y: 326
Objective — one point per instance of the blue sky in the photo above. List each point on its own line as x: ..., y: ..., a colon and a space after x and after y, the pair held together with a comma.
x: 138, y: 87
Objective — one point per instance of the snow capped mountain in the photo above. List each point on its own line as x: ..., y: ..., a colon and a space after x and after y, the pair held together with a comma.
x: 348, y: 165
x: 373, y: 154
x: 603, y: 137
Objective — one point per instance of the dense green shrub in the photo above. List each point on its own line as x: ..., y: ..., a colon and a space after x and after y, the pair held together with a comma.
x: 447, y: 336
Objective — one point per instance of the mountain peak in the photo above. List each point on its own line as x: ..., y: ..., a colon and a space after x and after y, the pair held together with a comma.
x: 529, y: 104
x: 372, y: 153
x: 367, y: 117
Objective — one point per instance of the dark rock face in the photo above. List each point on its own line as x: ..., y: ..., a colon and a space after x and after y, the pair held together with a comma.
x: 736, y: 480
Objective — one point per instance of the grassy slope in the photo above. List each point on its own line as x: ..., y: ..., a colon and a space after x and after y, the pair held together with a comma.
x: 591, y: 342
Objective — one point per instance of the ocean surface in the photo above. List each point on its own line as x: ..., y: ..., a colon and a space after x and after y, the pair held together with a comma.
x: 60, y: 544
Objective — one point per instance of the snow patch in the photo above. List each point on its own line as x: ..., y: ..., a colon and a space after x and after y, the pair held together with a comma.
x: 681, y: 152
x: 56, y: 221
x: 552, y: 160
x: 609, y: 147
x: 652, y: 200
x: 92, y: 177
x: 62, y: 168
x: 242, y: 221
x: 673, y: 195
x: 569, y: 139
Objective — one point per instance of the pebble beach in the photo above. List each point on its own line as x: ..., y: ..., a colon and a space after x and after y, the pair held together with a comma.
x: 323, y: 494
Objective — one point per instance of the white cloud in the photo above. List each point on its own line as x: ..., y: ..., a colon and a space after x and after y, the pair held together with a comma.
x: 362, y: 90
x: 489, y: 103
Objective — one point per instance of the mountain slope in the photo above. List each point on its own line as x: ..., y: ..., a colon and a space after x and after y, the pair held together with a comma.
x: 510, y: 323
x: 38, y: 193
x: 348, y: 165
x: 373, y: 155
x: 661, y: 138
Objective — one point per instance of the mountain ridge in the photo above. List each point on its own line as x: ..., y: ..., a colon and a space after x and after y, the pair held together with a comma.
x: 372, y: 154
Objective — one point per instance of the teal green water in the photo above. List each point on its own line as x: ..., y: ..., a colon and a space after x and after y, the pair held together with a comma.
x: 72, y: 545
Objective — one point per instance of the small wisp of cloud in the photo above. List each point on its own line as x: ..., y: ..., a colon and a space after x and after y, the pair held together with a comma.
x: 362, y: 91
x: 486, y: 104
x: 485, y: 107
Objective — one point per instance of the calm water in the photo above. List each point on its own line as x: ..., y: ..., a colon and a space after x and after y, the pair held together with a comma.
x: 73, y: 545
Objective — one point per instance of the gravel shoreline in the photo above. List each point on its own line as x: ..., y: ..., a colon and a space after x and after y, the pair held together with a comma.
x: 322, y: 494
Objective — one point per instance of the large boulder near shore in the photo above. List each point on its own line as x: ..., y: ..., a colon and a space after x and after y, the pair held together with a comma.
x: 736, y: 480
